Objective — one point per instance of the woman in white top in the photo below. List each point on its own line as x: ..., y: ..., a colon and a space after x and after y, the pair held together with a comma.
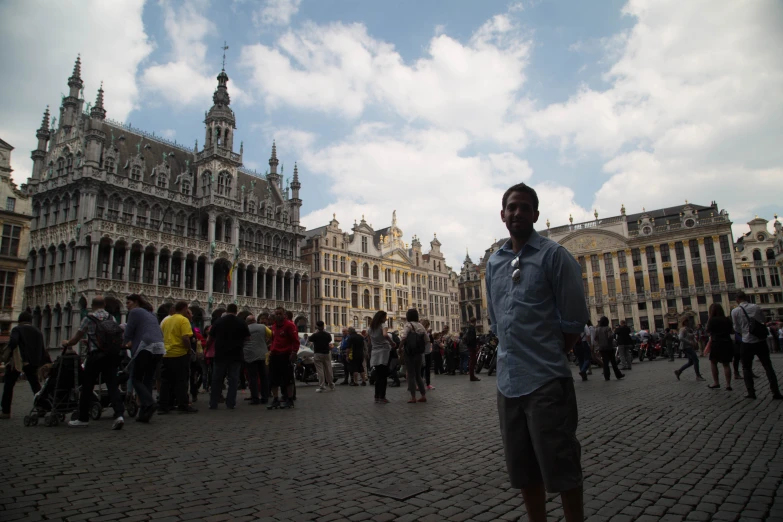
x: 379, y: 355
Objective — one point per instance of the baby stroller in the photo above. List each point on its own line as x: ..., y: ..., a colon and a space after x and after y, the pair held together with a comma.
x: 59, y: 394
x: 305, y: 365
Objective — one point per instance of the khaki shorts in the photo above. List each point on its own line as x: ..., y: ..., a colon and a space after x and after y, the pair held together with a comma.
x: 539, y: 437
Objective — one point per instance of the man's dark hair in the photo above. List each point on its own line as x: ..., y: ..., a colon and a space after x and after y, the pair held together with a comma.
x: 319, y: 324
x: 603, y: 321
x: 232, y: 308
x: 243, y: 314
x: 472, y: 320
x: 98, y: 302
x: 741, y: 296
x: 140, y: 301
x: 217, y: 314
x: 290, y: 315
x: 412, y: 315
x: 25, y: 317
x: 521, y: 187
x: 280, y: 308
x: 181, y: 306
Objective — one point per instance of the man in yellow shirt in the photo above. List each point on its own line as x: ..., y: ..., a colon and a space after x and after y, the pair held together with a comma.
x: 176, y: 363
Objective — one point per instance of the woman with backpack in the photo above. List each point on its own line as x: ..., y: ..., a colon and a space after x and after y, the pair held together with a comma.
x: 604, y: 336
x: 414, y: 341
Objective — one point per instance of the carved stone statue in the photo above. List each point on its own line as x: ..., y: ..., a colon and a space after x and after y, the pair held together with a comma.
x: 78, y: 231
x: 212, y: 247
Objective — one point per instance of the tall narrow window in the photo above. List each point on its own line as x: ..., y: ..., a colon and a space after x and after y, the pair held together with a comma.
x: 10, y: 241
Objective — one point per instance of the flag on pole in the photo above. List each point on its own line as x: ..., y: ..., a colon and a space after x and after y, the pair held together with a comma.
x: 231, y: 270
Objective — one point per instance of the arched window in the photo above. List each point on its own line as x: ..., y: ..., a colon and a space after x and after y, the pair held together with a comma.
x: 192, y: 221
x: 69, y: 164
x: 109, y: 163
x: 267, y: 242
x: 168, y: 222
x: 770, y: 254
x: 60, y: 167
x: 155, y: 215
x: 376, y: 273
x: 334, y: 242
x: 355, y: 322
x: 66, y: 207
x: 180, y: 224
x: 259, y: 242
x: 135, y: 173
x: 757, y: 255
x: 366, y: 299
x: 114, y: 208
x: 141, y: 214
x: 162, y: 180
x: 276, y: 245
x: 224, y: 184
x: 251, y: 207
x: 365, y: 270
x: 100, y: 206
x: 353, y: 268
x: 127, y: 210
x: 227, y: 231
x: 55, y: 210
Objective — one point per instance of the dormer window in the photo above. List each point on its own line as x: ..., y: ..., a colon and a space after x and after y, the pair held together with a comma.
x: 364, y: 244
x: 135, y: 173
x: 161, y: 180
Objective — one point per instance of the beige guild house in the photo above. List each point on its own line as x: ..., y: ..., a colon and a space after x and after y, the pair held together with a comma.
x: 759, y: 265
x: 15, y: 211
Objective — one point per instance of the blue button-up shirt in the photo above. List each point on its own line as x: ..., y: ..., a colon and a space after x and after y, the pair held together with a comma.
x: 530, y: 317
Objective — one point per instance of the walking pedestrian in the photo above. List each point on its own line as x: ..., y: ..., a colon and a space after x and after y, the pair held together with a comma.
x: 536, y: 307
x: 414, y: 340
x: 230, y: 334
x: 355, y: 343
x: 104, y: 342
x: 254, y: 352
x: 147, y: 349
x: 749, y: 319
x: 323, y: 360
x: 464, y: 354
x: 25, y: 353
x: 175, y: 368
x: 668, y: 340
x: 437, y: 354
x: 604, y: 337
x: 282, y: 354
x: 344, y: 358
x: 584, y: 352
x: 689, y: 345
x: 425, y: 369
x: 720, y: 330
x: 379, y: 356
x: 471, y: 339
x: 625, y: 345
x: 394, y: 359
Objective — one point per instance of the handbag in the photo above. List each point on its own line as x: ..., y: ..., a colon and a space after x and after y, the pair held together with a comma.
x: 755, y: 328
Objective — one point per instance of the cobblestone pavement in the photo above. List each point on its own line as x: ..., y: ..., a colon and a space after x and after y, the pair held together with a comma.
x: 653, y: 449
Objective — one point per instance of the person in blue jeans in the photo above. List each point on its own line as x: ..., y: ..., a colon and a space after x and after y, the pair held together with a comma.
x: 584, y: 354
x: 230, y: 333
x: 688, y: 346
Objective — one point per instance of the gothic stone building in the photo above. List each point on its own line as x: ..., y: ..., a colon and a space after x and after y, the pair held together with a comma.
x: 118, y: 211
x: 356, y: 274
x: 15, y: 212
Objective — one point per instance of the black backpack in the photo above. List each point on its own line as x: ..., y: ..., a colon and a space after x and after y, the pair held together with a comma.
x: 108, y: 335
x: 414, y: 343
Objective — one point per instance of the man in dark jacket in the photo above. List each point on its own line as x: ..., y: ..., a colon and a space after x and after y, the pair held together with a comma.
x: 230, y: 333
x: 356, y: 349
x: 29, y: 340
x: 472, y: 342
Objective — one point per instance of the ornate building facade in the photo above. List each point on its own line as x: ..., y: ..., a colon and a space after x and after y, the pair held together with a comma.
x: 356, y: 274
x: 117, y: 210
x: 758, y: 255
x: 472, y: 300
x: 15, y: 210
x: 649, y: 269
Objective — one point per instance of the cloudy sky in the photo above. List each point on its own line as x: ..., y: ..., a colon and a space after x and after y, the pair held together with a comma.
x: 434, y: 108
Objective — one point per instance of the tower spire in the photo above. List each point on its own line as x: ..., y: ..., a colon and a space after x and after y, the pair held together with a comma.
x: 296, y: 173
x: 44, y: 123
x: 75, y: 81
x: 225, y: 48
x: 273, y: 160
x: 98, y: 111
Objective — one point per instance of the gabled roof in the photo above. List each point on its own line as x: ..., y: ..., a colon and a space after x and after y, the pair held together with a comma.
x: 6, y: 145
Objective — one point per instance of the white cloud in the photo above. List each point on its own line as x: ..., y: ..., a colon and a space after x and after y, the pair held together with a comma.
x: 169, y: 134
x: 276, y: 12
x: 186, y: 78
x: 692, y: 110
x: 341, y: 69
x: 111, y: 39
x: 426, y: 175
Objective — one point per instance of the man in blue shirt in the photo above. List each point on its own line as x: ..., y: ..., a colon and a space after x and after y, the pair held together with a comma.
x: 537, y: 309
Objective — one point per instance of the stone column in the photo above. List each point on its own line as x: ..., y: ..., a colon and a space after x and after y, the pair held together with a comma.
x: 705, y: 273
x: 719, y: 259
x: 143, y: 266
x: 274, y: 286
x: 208, y: 276
x: 111, y: 260
x: 182, y: 272
x: 128, y: 250
x: 688, y: 264
x: 93, y: 259
x: 675, y: 266
x: 168, y: 274
x: 195, y: 274
x: 235, y: 284
x: 589, y: 272
x: 263, y: 285
x: 155, y: 271
x: 211, y: 228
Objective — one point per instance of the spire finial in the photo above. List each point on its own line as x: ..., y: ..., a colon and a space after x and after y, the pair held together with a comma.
x: 296, y: 173
x: 225, y: 48
x: 98, y: 111
x: 76, y: 78
x: 45, y: 121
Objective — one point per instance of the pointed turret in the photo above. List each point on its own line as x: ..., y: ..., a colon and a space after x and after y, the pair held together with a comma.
x: 39, y: 154
x: 219, y: 120
x: 273, y: 160
x: 75, y: 81
x: 296, y: 203
x: 98, y: 112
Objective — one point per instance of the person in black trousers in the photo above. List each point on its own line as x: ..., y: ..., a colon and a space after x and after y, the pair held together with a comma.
x: 29, y: 340
x: 604, y: 336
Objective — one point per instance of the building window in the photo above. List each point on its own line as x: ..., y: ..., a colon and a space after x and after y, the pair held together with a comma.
x: 671, y: 304
x: 621, y: 262
x: 135, y: 173
x: 650, y: 252
x: 665, y: 254
x: 683, y: 270
x: 344, y: 316
x: 712, y: 270
x: 342, y: 291
x: 747, y: 278
x: 668, y: 278
x: 334, y: 263
x: 636, y: 257
x: 354, y: 268
x: 698, y: 274
x: 657, y: 304
x: 610, y: 286
x: 654, y: 287
x: 162, y: 180
x: 10, y: 204
x: 342, y: 265
x: 709, y: 246
x: 317, y: 288
x: 774, y: 276
x: 334, y: 288
x: 326, y: 262
x: 354, y: 296
x: 763, y: 298
x: 366, y: 299
x: 327, y: 313
x: 316, y: 263
x: 364, y: 244
x: 701, y: 299
x: 716, y: 298
x: 366, y: 270
x: 761, y: 279
x: 377, y: 299
x: 639, y: 282
x: 725, y: 248
x: 624, y: 284
x: 326, y: 288
x: 7, y: 281
x: 10, y: 242
x: 679, y: 249
x: 643, y: 305
x: 693, y: 245
x: 686, y: 301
